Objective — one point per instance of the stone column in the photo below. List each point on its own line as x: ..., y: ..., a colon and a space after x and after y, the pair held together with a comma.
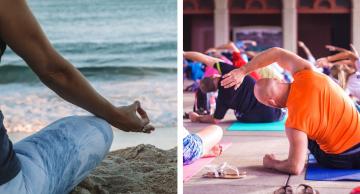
x: 355, y: 24
x: 289, y: 22
x: 221, y: 22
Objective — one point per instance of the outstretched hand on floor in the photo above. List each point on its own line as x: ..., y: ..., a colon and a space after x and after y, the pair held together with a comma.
x: 194, y: 117
x: 134, y: 119
x: 269, y: 160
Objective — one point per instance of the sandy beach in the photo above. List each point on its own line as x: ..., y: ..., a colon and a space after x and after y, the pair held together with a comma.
x: 246, y: 152
x: 139, y: 169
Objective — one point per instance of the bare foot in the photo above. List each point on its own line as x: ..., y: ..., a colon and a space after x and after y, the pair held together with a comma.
x: 215, y: 151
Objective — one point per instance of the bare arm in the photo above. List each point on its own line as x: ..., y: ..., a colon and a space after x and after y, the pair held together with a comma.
x: 342, y: 56
x: 194, y: 117
x: 286, y: 59
x: 20, y: 30
x: 306, y: 49
x: 335, y: 48
x: 353, y: 49
x: 232, y: 47
x: 229, y: 46
x: 196, y: 56
x: 346, y: 57
x: 297, y: 154
x: 208, y: 119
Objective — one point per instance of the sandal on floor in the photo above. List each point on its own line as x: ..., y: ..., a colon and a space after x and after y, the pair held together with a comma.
x: 306, y: 189
x: 284, y: 190
x: 223, y: 171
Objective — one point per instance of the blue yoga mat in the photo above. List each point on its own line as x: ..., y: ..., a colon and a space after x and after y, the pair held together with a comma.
x: 274, y: 126
x: 315, y: 172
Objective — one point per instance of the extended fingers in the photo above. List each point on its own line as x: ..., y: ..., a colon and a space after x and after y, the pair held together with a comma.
x: 227, y: 78
x: 229, y: 81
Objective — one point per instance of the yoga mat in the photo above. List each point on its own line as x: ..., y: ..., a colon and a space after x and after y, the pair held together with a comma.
x: 191, y: 169
x: 274, y: 126
x: 315, y: 172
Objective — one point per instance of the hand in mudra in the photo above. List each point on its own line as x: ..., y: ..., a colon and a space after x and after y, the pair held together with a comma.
x: 133, y: 119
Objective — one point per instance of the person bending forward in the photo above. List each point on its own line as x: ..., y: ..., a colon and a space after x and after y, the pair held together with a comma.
x: 321, y: 116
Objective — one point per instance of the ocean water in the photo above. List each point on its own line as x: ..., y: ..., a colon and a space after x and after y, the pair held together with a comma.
x: 125, y: 48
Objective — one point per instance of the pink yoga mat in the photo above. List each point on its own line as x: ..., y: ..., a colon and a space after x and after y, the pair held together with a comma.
x: 191, y: 169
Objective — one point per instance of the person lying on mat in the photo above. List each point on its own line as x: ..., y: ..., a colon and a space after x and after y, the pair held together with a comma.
x: 321, y: 116
x: 246, y: 107
x: 57, y: 158
x: 204, y: 143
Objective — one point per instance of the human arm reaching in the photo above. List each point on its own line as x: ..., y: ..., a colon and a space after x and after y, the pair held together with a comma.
x: 335, y: 48
x: 353, y: 49
x: 307, y: 51
x: 346, y: 57
x: 20, y: 30
x: 205, y: 59
x: 286, y: 59
x: 229, y: 46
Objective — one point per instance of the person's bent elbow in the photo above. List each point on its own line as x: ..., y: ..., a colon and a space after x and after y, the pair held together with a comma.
x: 296, y: 169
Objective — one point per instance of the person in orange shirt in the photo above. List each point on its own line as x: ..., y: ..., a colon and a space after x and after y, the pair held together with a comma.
x: 321, y: 117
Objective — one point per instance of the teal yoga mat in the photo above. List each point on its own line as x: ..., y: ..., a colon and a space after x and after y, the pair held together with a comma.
x: 274, y: 126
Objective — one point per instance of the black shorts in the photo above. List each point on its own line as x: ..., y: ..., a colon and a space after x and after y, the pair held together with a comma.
x: 350, y: 159
x: 261, y: 114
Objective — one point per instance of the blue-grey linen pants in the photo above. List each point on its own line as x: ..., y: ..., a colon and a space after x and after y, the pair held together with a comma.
x: 60, y: 156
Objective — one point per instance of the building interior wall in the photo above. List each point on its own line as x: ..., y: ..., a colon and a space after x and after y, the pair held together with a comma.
x: 318, y: 30
x: 198, y: 32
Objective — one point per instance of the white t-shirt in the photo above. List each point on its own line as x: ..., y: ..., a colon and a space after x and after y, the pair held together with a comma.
x: 353, y: 84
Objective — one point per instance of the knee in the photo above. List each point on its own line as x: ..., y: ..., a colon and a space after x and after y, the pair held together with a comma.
x: 104, y: 126
x: 217, y: 130
x: 90, y: 124
x: 105, y: 129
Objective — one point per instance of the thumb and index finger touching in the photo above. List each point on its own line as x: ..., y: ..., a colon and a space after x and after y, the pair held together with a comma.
x: 144, y: 118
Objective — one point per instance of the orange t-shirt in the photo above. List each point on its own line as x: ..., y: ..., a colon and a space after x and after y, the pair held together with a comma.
x: 321, y: 109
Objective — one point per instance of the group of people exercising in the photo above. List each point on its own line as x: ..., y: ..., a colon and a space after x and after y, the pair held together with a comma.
x: 320, y: 98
